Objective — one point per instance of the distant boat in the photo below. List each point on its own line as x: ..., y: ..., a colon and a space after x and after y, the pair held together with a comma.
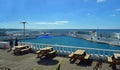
x: 45, y: 36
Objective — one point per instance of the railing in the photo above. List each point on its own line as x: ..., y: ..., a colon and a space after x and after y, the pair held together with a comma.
x: 69, y: 49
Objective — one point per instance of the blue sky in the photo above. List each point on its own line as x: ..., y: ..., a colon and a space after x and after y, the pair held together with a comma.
x: 60, y: 14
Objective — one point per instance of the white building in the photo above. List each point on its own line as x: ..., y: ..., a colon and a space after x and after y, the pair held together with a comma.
x: 116, y: 35
x: 93, y: 33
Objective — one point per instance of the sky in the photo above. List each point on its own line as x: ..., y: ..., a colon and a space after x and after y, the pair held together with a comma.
x: 60, y: 14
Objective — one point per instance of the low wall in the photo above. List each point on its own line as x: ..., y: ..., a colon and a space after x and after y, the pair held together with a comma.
x: 4, y: 45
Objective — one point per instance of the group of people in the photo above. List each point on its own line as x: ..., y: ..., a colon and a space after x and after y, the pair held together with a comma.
x: 11, y: 42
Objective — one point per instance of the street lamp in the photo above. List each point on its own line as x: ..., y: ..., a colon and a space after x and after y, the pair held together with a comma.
x: 24, y: 27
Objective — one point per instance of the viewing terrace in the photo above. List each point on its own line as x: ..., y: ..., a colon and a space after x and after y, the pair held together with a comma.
x: 29, y: 61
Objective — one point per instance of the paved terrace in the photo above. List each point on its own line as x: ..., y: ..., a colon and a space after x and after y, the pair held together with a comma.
x: 29, y: 62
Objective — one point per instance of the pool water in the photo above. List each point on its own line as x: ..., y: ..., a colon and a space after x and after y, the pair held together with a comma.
x: 71, y: 41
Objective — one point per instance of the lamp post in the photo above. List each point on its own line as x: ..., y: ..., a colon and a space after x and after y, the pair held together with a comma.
x: 24, y: 28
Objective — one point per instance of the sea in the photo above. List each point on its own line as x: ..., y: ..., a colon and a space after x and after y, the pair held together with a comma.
x: 103, y: 31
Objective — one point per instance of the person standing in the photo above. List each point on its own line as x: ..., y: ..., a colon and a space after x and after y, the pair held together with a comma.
x: 11, y: 43
x: 16, y: 42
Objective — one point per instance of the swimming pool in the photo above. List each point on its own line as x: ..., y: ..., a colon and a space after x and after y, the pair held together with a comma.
x: 71, y: 41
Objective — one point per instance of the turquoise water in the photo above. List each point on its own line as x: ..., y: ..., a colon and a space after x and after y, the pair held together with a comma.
x: 71, y: 41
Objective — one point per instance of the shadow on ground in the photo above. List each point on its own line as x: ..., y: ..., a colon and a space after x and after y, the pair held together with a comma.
x: 9, y: 50
x: 21, y: 54
x: 82, y: 63
x: 73, y: 61
x: 47, y: 61
x: 114, y: 67
x: 4, y: 68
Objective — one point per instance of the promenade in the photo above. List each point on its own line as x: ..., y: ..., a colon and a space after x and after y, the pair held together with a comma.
x: 29, y: 62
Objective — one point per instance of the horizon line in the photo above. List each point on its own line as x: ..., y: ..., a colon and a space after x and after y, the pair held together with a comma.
x: 56, y: 28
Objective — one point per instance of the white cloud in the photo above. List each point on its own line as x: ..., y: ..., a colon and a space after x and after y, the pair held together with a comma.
x: 113, y: 15
x: 100, y: 1
x: 117, y: 9
x: 56, y: 22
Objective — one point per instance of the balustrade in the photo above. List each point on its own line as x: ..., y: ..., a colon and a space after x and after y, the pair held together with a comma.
x: 70, y: 49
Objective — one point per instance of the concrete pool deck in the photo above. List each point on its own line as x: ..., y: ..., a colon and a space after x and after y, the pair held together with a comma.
x: 29, y: 62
